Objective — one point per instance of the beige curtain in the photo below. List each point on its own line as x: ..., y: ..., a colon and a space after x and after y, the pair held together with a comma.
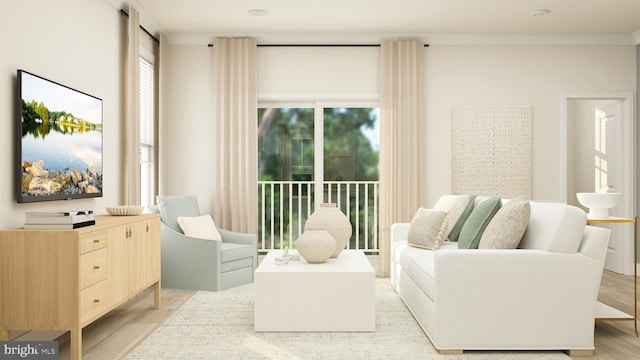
x: 161, y: 134
x: 235, y: 161
x: 402, y: 137
x: 131, y: 169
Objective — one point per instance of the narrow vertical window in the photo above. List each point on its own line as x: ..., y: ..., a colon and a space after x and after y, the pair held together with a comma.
x: 147, y: 131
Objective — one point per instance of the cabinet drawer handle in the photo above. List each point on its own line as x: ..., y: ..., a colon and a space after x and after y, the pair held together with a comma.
x: 95, y: 301
x: 96, y: 241
x: 96, y: 267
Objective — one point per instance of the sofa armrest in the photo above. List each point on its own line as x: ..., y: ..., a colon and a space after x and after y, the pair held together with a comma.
x: 533, y: 291
x: 399, y: 232
x: 238, y: 238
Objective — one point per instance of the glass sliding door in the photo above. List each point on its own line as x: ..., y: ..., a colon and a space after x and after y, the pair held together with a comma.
x: 314, y: 154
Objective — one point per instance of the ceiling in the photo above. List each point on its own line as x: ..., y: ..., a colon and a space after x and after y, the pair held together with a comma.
x: 390, y: 18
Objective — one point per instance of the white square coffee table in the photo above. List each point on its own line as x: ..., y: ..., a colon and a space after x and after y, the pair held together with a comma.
x: 337, y: 295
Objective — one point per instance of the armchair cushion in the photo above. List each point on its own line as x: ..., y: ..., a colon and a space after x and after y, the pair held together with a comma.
x: 201, y: 227
x: 173, y: 206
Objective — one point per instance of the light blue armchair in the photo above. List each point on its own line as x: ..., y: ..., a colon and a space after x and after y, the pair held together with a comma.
x: 199, y: 264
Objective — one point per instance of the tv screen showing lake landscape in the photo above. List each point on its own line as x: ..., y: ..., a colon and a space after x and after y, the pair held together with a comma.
x: 60, y: 141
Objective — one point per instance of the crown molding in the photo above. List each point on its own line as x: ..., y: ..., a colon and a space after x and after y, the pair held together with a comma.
x: 431, y: 39
x: 145, y: 20
x: 531, y: 40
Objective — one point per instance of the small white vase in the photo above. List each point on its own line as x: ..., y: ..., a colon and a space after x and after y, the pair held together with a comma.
x: 315, y: 246
x: 329, y: 217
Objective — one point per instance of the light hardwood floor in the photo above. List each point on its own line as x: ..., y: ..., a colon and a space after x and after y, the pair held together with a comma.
x: 616, y: 339
x: 121, y: 330
x: 113, y: 336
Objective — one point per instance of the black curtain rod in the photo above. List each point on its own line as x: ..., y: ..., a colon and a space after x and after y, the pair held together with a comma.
x: 318, y: 45
x: 122, y: 12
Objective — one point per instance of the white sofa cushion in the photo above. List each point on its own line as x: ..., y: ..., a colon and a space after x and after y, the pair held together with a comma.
x: 418, y: 264
x: 554, y: 227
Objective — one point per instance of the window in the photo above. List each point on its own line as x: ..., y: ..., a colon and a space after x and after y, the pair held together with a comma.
x: 600, y: 146
x: 147, y: 129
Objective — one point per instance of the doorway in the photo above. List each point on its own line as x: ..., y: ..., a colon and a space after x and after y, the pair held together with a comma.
x: 598, y: 153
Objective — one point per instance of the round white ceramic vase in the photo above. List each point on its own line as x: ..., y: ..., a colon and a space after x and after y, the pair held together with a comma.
x: 315, y: 246
x: 329, y: 217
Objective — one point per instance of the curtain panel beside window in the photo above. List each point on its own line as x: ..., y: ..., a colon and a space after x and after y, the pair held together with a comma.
x: 235, y: 163
x: 402, y: 137
x: 131, y: 173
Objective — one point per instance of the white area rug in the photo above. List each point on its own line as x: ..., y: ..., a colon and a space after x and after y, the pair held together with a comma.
x: 219, y: 325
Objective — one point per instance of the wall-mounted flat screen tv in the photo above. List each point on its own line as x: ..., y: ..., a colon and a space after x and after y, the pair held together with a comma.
x: 59, y: 142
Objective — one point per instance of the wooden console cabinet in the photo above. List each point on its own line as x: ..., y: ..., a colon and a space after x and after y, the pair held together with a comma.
x: 66, y: 279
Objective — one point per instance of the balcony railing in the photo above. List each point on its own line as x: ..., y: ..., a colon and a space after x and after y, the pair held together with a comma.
x: 286, y: 205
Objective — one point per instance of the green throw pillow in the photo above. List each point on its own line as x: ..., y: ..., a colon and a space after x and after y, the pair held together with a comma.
x: 477, y: 221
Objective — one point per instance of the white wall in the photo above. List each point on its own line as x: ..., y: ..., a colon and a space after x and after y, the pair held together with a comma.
x: 76, y: 43
x: 517, y: 75
x: 455, y: 75
x: 190, y: 138
x: 308, y: 71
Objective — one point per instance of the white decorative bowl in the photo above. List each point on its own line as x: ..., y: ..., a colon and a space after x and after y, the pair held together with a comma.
x: 598, y: 203
x: 125, y: 210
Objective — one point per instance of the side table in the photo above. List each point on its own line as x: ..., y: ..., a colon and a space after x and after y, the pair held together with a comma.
x: 605, y: 312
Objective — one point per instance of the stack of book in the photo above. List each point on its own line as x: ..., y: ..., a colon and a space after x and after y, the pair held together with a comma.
x: 58, y: 219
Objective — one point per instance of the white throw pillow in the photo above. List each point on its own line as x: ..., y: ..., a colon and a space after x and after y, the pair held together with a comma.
x: 427, y: 229
x: 507, y: 227
x: 454, y: 206
x: 200, y: 227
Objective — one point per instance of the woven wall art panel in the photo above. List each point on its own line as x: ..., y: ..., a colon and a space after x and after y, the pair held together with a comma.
x: 492, y: 149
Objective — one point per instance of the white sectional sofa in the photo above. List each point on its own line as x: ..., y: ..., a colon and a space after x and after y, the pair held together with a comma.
x: 540, y: 296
